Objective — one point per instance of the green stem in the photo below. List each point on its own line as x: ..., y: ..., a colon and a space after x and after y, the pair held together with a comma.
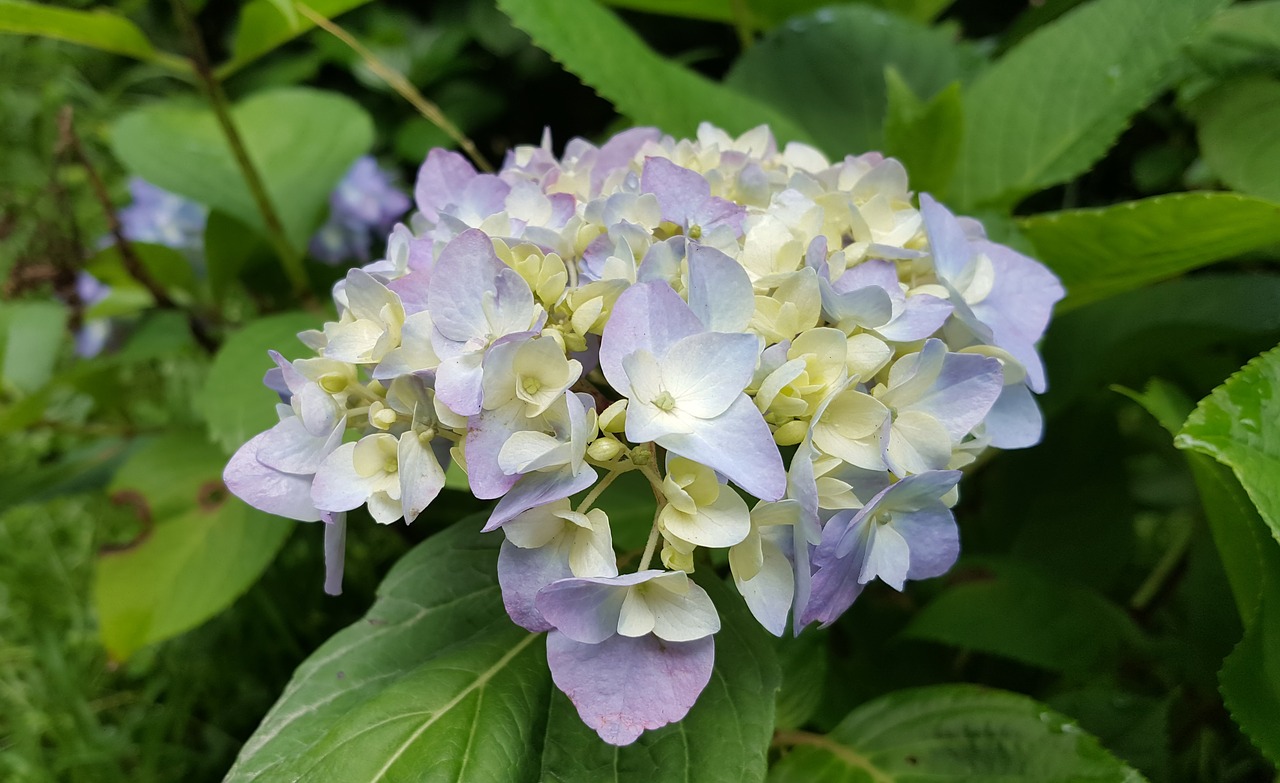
x: 742, y: 23
x: 591, y: 497
x: 289, y: 257
x: 651, y: 545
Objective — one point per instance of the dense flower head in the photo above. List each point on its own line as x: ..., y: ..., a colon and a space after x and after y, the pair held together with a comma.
x: 799, y: 355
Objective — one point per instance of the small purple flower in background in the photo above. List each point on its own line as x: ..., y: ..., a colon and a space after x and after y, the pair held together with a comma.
x: 94, y: 333
x: 159, y: 217
x: 364, y: 205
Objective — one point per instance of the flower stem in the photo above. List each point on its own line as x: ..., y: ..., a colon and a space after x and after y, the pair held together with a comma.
x: 289, y: 257
x: 400, y: 84
x: 591, y: 497
x: 651, y: 545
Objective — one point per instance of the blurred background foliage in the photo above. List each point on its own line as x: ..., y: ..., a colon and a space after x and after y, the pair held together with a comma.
x: 1090, y: 578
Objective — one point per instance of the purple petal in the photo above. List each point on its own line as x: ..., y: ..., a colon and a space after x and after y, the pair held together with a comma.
x: 1015, y: 421
x: 680, y: 191
x: 459, y: 381
x: 441, y: 180
x: 738, y: 444
x: 335, y: 549
x: 624, y: 686
x: 466, y: 271
x: 618, y: 152
x: 647, y: 316
x: 585, y: 610
x: 523, y: 572
x: 536, y: 489
x: 835, y: 585
x: 1019, y: 305
x: 283, y: 494
x: 290, y: 448
x: 720, y: 292
x: 487, y: 432
x: 933, y: 538
x: 915, y: 493
x: 921, y: 316
x: 948, y: 243
x: 881, y: 274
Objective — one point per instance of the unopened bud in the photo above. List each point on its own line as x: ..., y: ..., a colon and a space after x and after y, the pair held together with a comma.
x: 605, y: 449
x: 641, y: 456
x: 613, y: 419
x: 791, y: 433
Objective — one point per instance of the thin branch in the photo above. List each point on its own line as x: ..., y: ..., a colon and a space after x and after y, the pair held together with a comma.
x: 742, y: 23
x: 289, y: 256
x: 128, y: 256
x: 400, y: 84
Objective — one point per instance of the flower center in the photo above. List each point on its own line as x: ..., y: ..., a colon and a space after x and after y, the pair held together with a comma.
x: 530, y: 385
x: 664, y: 402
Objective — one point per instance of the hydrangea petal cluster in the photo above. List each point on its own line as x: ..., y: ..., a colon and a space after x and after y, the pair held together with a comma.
x: 799, y: 355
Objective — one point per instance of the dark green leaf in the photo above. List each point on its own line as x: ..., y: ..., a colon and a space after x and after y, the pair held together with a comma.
x: 199, y: 547
x: 764, y: 14
x: 436, y: 681
x: 264, y: 27
x: 1029, y: 617
x: 951, y: 733
x: 592, y: 43
x: 1057, y: 101
x: 98, y: 29
x: 181, y: 148
x: 235, y: 404
x: 1239, y: 426
x: 1101, y: 252
x: 1237, y: 125
x: 826, y: 71
x: 924, y: 136
x: 804, y: 677
x: 228, y: 248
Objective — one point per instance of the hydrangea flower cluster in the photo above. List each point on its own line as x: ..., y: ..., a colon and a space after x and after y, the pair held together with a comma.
x: 796, y: 356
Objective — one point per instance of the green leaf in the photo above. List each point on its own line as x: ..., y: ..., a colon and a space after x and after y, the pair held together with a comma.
x: 235, y: 404
x: 804, y: 665
x: 1101, y: 252
x: 950, y: 733
x: 30, y: 335
x: 764, y: 14
x: 826, y: 71
x: 1237, y: 128
x: 229, y: 247
x: 98, y: 29
x: 265, y: 25
x: 924, y: 136
x: 181, y: 148
x: 1242, y: 38
x: 166, y: 266
x: 1029, y: 617
x: 1250, y: 676
x: 1239, y: 426
x: 1057, y: 101
x: 592, y: 43
x: 199, y: 548
x: 437, y: 682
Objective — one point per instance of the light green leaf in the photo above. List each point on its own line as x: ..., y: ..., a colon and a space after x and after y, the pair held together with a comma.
x: 1102, y: 252
x: 199, y: 548
x: 437, y: 682
x: 764, y: 14
x: 98, y: 29
x: 235, y: 404
x: 592, y: 43
x: 1237, y: 128
x: 168, y: 267
x: 951, y: 733
x: 30, y: 335
x: 1029, y: 617
x: 826, y: 71
x: 925, y: 136
x: 1250, y: 676
x: 265, y: 25
x: 1239, y: 426
x: 181, y: 148
x: 1057, y: 101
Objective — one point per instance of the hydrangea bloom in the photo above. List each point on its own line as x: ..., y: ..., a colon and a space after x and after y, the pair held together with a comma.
x: 797, y: 357
x: 159, y: 217
x: 365, y: 204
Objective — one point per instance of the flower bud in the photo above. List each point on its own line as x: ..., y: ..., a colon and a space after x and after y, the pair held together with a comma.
x: 791, y: 433
x: 605, y: 449
x: 613, y: 419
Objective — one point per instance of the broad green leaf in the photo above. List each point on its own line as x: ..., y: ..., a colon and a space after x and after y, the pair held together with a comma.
x: 764, y: 14
x: 228, y: 248
x: 925, y: 136
x: 1101, y: 252
x: 1057, y: 101
x: 1241, y: 38
x: 235, y: 404
x: 98, y: 29
x: 826, y: 71
x: 1132, y: 726
x: 1239, y: 426
x: 950, y: 733
x: 592, y: 43
x: 1250, y: 676
x: 181, y: 148
x: 198, y: 550
x: 436, y: 682
x: 804, y: 677
x: 1029, y: 617
x: 1237, y: 127
x: 264, y: 25
x: 31, y: 333
x: 170, y: 268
